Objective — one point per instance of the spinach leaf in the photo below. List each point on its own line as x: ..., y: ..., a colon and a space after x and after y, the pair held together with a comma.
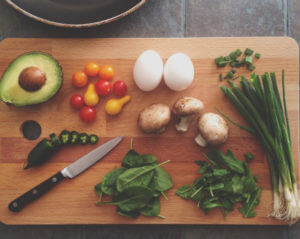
x: 132, y: 198
x: 184, y: 191
x: 131, y: 159
x: 99, y: 192
x: 136, y: 176
x: 131, y: 214
x: 147, y: 159
x: 109, y: 181
x: 152, y: 209
x: 162, y: 180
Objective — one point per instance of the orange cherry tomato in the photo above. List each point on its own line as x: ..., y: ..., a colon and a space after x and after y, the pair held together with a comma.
x: 79, y: 79
x: 91, y: 69
x: 106, y: 72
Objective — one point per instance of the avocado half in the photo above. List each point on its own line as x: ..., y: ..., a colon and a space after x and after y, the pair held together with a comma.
x: 46, y: 70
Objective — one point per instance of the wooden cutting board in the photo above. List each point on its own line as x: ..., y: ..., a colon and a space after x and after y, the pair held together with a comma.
x: 72, y: 202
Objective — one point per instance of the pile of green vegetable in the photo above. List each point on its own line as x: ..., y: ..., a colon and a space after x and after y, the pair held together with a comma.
x: 224, y: 181
x: 136, y: 186
x: 259, y: 102
x: 236, y: 60
x: 43, y: 151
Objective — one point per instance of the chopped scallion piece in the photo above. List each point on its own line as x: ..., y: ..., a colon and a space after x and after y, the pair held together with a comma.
x: 248, y: 60
x: 257, y: 55
x: 226, y: 58
x: 229, y: 75
x: 221, y: 77
x: 248, y: 52
x: 238, y: 52
x: 232, y: 55
x: 251, y: 67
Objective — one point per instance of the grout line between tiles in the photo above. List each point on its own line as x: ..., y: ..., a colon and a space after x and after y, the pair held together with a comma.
x: 186, y: 16
x: 288, y: 18
x: 285, y: 16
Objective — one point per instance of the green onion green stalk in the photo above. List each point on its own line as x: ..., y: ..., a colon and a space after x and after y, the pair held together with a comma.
x: 259, y: 102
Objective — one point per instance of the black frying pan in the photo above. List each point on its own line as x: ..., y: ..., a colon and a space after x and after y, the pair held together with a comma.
x: 76, y: 13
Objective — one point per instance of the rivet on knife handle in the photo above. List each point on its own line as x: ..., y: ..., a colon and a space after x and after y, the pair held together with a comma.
x: 17, y: 204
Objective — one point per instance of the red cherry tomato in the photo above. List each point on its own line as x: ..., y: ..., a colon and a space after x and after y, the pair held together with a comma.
x: 87, y: 114
x: 76, y: 101
x: 103, y: 87
x: 119, y: 88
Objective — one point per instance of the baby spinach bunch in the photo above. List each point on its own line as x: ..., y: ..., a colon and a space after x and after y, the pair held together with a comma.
x: 224, y: 181
x: 136, y: 186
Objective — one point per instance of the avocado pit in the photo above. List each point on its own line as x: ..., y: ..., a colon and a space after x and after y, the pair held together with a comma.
x: 32, y: 79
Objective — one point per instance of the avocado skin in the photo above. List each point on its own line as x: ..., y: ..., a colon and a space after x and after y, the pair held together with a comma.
x: 43, y: 100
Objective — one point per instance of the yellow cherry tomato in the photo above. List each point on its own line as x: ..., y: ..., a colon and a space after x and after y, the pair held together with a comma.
x: 114, y: 106
x: 91, y: 98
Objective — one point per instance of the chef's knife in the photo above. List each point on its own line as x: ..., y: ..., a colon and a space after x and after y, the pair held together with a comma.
x: 70, y: 171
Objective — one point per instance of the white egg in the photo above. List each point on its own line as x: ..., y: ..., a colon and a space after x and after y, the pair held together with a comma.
x: 179, y: 72
x: 148, y: 70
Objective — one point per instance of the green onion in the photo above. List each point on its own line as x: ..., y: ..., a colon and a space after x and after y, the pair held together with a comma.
x: 248, y: 52
x: 257, y: 55
x: 232, y: 55
x: 248, y: 60
x: 229, y: 75
x: 251, y: 68
x: 226, y: 58
x: 221, y: 77
x: 238, y: 52
x: 259, y: 102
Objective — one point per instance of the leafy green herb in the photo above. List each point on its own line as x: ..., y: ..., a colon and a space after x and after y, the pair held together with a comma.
x: 224, y: 181
x: 152, y: 209
x: 162, y: 181
x: 249, y: 156
x: 136, y: 187
x: 132, y: 198
x: 131, y: 158
x: 109, y: 181
x: 257, y: 55
x: 131, y: 214
x: 140, y: 176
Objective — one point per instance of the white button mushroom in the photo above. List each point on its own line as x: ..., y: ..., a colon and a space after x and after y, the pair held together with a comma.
x: 179, y: 72
x: 154, y: 118
x: 185, y: 110
x: 213, y: 129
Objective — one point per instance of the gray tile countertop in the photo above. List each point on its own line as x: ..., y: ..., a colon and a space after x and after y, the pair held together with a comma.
x: 168, y: 18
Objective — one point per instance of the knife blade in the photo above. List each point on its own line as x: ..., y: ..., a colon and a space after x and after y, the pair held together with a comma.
x: 70, y: 171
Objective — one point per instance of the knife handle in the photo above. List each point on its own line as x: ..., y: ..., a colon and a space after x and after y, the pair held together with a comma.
x: 17, y: 204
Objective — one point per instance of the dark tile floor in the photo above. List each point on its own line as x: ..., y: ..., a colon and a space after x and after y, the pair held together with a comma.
x: 167, y: 18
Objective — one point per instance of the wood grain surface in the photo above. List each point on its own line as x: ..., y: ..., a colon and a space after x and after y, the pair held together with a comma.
x: 72, y: 202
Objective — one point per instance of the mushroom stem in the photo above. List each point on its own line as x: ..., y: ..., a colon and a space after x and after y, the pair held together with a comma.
x: 200, y: 140
x: 183, y: 122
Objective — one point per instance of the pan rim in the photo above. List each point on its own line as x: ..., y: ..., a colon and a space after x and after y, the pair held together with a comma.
x: 69, y: 25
